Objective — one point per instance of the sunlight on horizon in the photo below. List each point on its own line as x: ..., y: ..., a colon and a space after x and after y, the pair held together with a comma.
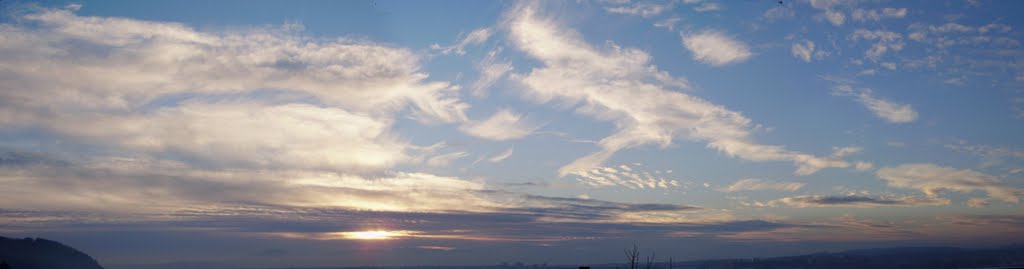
x: 375, y: 235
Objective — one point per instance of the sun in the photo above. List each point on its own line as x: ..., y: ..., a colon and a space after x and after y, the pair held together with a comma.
x: 375, y: 235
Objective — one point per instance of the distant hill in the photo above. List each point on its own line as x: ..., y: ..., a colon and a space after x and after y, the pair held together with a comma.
x: 174, y: 265
x: 40, y: 253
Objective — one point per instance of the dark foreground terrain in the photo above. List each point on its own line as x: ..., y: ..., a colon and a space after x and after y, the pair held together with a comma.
x: 882, y: 258
x: 40, y: 253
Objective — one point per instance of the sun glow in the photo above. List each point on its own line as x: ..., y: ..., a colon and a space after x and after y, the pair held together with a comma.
x: 375, y: 235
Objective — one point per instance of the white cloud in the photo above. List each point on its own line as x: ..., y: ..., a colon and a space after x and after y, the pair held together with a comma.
x: 916, y: 36
x: 803, y: 51
x: 830, y: 10
x: 501, y: 156
x: 669, y: 23
x: 476, y: 37
x: 753, y: 184
x: 885, y: 41
x: 977, y: 202
x: 854, y: 200
x: 954, y: 81
x: 446, y: 159
x: 833, y: 11
x: 840, y: 152
x: 175, y: 105
x: 624, y: 176
x: 235, y: 134
x: 503, y: 125
x: 863, y: 166
x: 834, y: 17
x: 620, y: 85
x: 894, y: 12
x: 933, y: 179
x: 152, y: 59
x: 877, y: 15
x: 715, y: 48
x: 705, y: 7
x: 888, y: 110
x: 101, y: 81
x: 986, y: 151
x: 154, y: 186
x: 868, y: 72
x: 491, y: 70
x: 994, y: 27
x: 950, y: 27
x: 778, y: 13
x: 643, y: 9
x: 827, y: 4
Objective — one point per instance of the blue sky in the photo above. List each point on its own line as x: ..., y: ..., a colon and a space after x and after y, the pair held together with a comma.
x: 474, y: 132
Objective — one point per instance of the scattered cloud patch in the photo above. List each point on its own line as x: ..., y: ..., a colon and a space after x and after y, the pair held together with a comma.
x: 753, y: 184
x: 856, y: 201
x: 707, y: 6
x: 803, y: 50
x: 669, y: 23
x: 986, y: 151
x: 642, y: 9
x: 977, y: 202
x: 831, y: 10
x: 441, y: 248
x: 868, y: 72
x: 888, y: 110
x: 932, y: 180
x: 885, y: 41
x: 834, y: 17
x: 778, y: 13
x: 877, y: 14
x: 502, y: 125
x: 863, y: 166
x: 625, y: 176
x: 716, y: 48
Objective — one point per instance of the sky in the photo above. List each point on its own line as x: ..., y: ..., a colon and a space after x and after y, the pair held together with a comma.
x: 324, y: 133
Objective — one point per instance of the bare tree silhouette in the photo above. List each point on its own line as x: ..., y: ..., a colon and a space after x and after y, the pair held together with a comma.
x: 650, y: 261
x: 632, y: 256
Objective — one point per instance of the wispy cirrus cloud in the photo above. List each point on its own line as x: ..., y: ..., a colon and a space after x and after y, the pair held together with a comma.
x: 501, y: 156
x: 491, y: 71
x: 502, y: 125
x: 887, y: 110
x: 986, y: 151
x: 933, y: 179
x: 179, y: 117
x: 214, y: 118
x: 620, y: 85
x: 446, y: 159
x: 855, y: 200
x: 475, y: 37
x: 753, y: 184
